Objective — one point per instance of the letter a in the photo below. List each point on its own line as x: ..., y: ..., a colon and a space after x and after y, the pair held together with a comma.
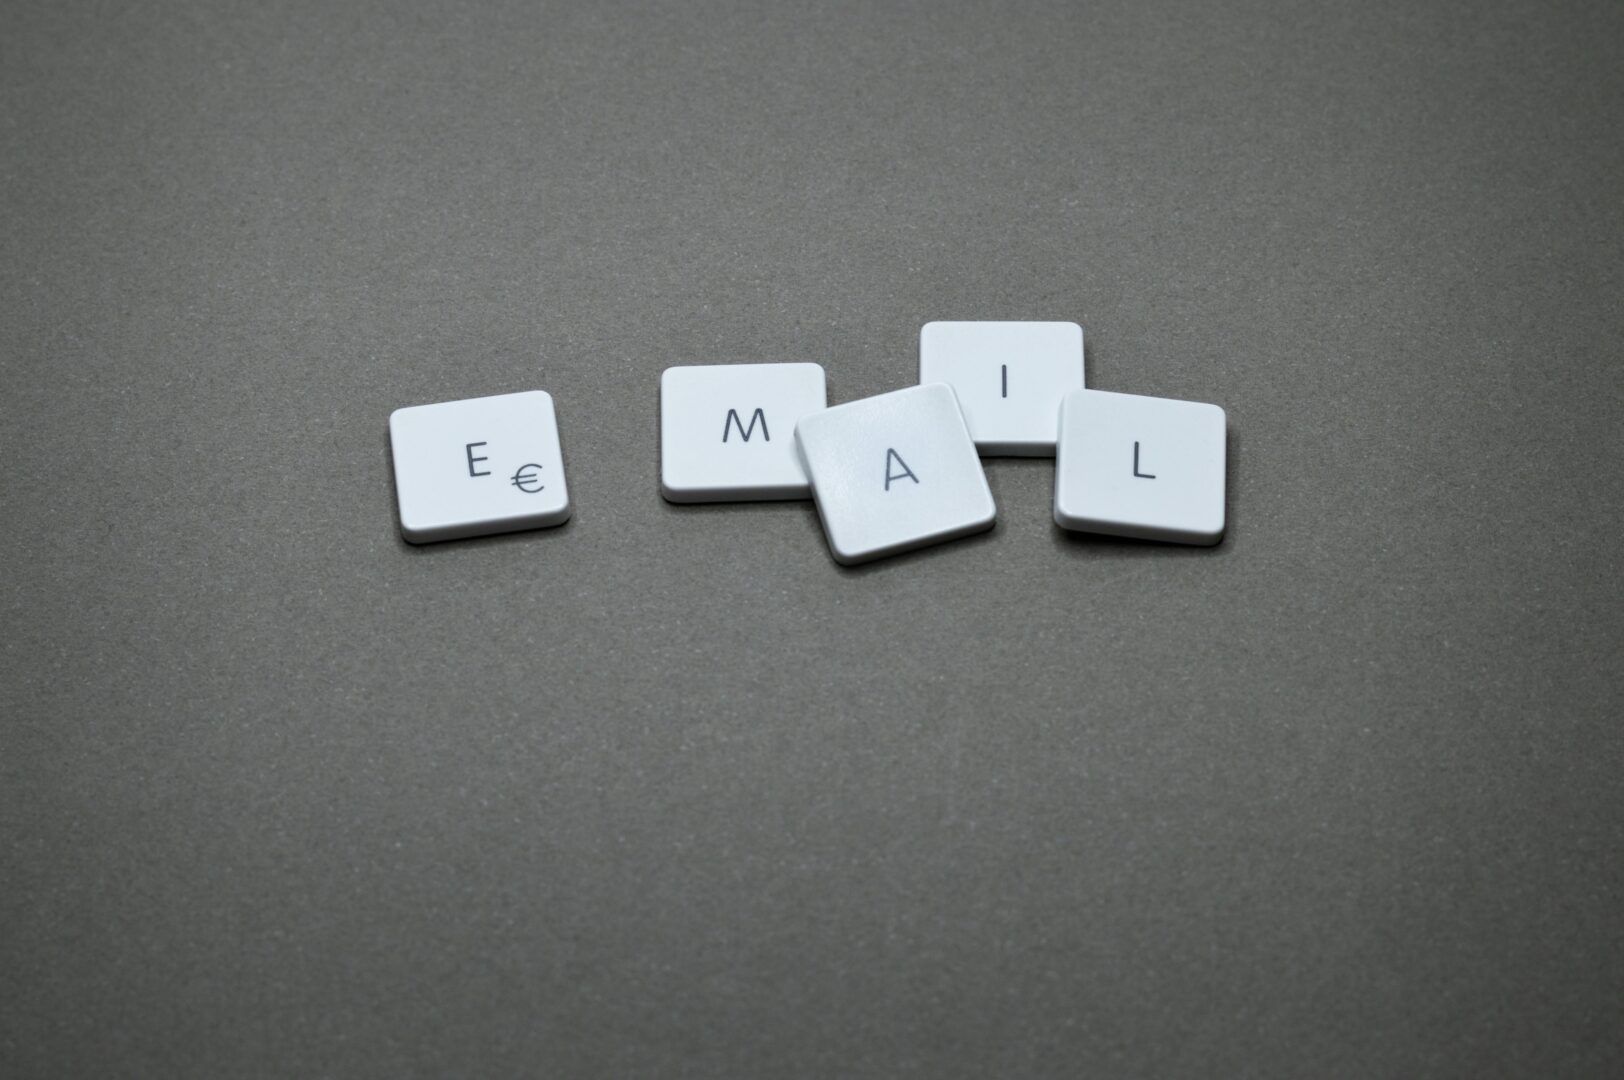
x: 744, y: 432
x: 890, y: 456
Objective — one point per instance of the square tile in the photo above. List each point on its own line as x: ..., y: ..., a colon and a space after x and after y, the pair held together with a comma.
x: 1009, y: 376
x: 1148, y: 467
x: 479, y: 466
x: 894, y: 472
x: 727, y: 431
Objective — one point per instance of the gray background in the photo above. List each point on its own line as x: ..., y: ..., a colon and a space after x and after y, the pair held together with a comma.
x: 668, y: 792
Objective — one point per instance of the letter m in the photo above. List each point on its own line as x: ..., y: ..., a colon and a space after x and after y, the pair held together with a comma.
x: 744, y: 432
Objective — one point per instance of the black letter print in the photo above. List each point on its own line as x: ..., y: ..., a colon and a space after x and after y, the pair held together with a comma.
x: 733, y: 420
x: 890, y: 456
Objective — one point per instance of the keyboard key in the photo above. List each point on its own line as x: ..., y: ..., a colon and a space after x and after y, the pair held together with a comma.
x: 480, y: 466
x: 1140, y: 466
x: 727, y: 431
x: 1009, y: 376
x: 894, y: 472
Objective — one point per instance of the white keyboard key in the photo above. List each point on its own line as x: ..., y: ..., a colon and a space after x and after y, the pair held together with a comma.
x: 894, y: 472
x: 1010, y: 378
x: 727, y: 431
x: 484, y: 465
x: 1140, y: 466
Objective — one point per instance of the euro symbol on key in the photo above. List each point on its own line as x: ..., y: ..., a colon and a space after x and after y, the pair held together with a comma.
x: 524, y: 478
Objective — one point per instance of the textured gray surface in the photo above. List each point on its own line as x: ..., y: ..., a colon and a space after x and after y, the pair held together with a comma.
x: 666, y: 791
